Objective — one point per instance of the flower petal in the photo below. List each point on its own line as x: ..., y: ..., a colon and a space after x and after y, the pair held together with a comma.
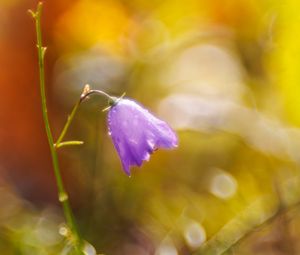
x: 136, y: 133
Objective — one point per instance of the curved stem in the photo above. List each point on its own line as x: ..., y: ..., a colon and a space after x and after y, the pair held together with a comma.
x: 100, y: 92
x: 95, y: 91
x: 62, y: 194
x: 84, y: 95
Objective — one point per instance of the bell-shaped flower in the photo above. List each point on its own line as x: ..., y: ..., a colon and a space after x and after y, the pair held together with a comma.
x: 136, y: 133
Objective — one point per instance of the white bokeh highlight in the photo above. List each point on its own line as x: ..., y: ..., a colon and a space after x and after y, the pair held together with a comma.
x: 166, y: 248
x: 194, y: 234
x: 223, y: 185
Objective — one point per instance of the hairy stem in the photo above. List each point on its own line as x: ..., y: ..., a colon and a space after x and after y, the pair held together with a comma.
x: 62, y: 194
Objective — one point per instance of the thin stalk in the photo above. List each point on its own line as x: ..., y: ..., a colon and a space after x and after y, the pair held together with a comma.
x: 100, y: 92
x: 68, y: 143
x: 84, y: 95
x: 67, y: 125
x: 62, y: 194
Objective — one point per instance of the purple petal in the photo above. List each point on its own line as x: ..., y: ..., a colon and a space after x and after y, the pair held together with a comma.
x: 136, y: 133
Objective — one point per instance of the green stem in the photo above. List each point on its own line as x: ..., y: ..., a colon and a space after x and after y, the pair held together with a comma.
x: 84, y: 95
x: 67, y: 125
x: 68, y: 143
x: 62, y: 194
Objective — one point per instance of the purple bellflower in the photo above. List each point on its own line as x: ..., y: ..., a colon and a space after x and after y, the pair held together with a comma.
x: 136, y: 133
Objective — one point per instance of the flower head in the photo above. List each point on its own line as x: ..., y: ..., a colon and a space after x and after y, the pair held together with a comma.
x: 136, y: 133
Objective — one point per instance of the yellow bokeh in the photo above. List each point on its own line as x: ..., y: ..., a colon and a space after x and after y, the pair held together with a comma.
x: 286, y: 58
x: 90, y: 22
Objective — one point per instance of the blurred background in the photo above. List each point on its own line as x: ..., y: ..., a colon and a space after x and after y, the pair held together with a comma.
x: 224, y: 74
